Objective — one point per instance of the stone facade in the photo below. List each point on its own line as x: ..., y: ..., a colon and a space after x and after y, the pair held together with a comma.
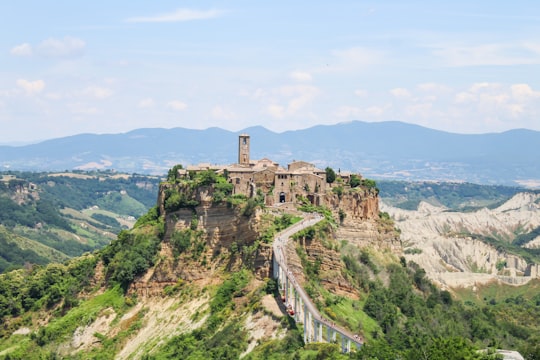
x: 278, y: 184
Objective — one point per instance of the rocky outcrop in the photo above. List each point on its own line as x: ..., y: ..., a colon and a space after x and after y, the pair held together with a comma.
x: 360, y: 224
x: 358, y: 204
x: 227, y: 237
x: 221, y: 232
x: 369, y: 233
x: 329, y: 268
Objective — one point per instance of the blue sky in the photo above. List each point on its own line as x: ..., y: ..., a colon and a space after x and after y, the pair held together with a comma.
x: 70, y: 67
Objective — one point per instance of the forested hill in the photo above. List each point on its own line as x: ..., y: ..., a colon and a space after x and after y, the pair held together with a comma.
x: 385, y: 150
x: 48, y: 217
x: 454, y: 196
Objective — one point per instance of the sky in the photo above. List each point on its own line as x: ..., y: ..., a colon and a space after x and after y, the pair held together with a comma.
x: 70, y: 67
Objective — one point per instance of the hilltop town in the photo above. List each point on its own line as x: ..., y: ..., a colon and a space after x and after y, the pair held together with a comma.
x: 279, y: 184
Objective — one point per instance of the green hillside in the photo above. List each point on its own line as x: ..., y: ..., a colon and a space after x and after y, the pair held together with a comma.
x: 63, y: 215
x: 453, y: 195
x: 17, y: 250
x: 87, y: 308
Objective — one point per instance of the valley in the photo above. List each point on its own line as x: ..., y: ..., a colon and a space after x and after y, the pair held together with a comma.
x: 194, y: 276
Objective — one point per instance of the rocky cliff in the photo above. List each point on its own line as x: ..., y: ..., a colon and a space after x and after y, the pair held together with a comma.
x: 360, y: 222
x: 226, y: 238
x: 218, y: 232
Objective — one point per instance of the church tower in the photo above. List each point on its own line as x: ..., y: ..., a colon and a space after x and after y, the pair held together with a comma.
x: 243, y: 149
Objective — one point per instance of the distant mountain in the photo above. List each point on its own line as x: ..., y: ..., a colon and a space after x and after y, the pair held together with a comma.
x: 384, y: 150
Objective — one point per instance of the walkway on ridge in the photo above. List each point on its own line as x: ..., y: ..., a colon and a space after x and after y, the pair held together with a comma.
x: 280, y: 241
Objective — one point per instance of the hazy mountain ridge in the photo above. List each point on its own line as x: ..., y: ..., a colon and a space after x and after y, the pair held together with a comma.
x: 387, y: 150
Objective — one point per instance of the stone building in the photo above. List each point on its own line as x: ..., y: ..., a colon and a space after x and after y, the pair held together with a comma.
x: 277, y: 183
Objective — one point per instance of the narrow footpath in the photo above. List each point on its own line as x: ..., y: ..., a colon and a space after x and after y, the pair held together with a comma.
x: 280, y: 241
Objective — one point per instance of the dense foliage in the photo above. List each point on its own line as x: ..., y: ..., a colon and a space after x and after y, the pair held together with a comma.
x: 132, y: 253
x: 401, y: 314
x: 38, y: 287
x: 31, y: 214
x: 330, y: 175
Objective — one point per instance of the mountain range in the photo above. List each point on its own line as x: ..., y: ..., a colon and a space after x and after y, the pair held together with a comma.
x: 383, y: 150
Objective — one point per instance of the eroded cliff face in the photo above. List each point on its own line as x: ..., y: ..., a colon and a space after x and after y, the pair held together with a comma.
x: 225, y: 238
x: 220, y: 233
x: 359, y: 220
x: 329, y: 258
x: 357, y: 213
x: 442, y: 243
x: 359, y: 204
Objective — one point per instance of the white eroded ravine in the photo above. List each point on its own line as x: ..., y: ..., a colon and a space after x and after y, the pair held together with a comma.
x: 455, y: 259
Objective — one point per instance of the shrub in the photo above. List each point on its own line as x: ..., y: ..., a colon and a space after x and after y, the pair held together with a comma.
x: 180, y: 241
x: 355, y: 181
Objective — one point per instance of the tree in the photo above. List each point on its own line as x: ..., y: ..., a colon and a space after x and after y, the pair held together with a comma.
x: 173, y: 172
x: 355, y: 181
x: 330, y: 175
x: 369, y: 183
x: 207, y: 177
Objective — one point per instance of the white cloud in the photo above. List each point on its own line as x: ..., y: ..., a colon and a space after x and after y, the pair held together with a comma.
x: 276, y: 111
x: 477, y: 107
x: 300, y: 96
x: 219, y: 112
x: 178, y: 15
x: 177, y: 105
x: 433, y: 88
x: 423, y: 110
x: 360, y: 92
x: 98, y: 92
x: 301, y: 76
x: 356, y: 58
x: 464, y: 97
x: 376, y: 111
x: 54, y: 96
x: 22, y: 50
x: 286, y: 100
x: 259, y: 93
x: 82, y: 109
x: 363, y: 113
x: 477, y: 87
x: 476, y: 91
x: 498, y: 54
x: 523, y: 92
x: 495, y: 106
x: 66, y: 47
x: 348, y: 112
x: 400, y: 93
x: 31, y: 87
x: 146, y: 103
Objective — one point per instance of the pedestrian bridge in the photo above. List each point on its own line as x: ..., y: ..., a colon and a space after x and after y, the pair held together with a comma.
x: 299, y: 305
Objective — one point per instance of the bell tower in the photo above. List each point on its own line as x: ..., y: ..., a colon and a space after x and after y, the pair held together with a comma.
x: 243, y: 149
